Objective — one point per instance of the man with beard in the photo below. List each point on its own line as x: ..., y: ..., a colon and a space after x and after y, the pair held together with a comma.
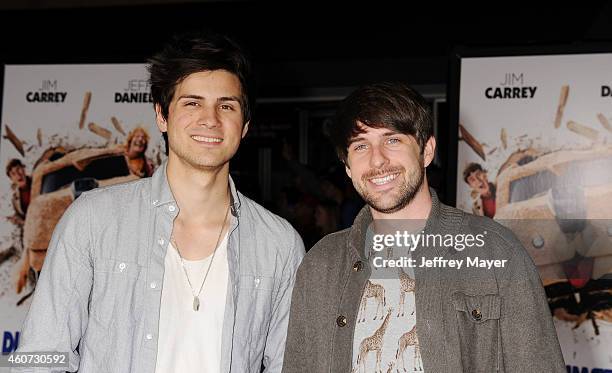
x: 420, y: 317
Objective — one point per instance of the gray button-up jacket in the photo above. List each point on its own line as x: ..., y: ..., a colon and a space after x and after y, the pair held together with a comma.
x: 472, y: 320
x: 99, y: 293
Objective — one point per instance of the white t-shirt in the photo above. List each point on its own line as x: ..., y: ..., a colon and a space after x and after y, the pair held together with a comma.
x: 190, y: 341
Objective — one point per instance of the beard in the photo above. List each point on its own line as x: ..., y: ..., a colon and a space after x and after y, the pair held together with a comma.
x: 398, y: 198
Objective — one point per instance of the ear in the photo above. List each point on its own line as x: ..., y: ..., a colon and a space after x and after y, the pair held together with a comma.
x: 162, y: 124
x: 347, y: 169
x: 245, y: 129
x: 430, y: 151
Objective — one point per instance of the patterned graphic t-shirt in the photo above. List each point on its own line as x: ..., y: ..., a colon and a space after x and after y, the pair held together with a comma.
x: 385, y: 337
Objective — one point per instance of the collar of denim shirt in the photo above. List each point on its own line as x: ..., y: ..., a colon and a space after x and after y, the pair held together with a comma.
x: 162, y: 195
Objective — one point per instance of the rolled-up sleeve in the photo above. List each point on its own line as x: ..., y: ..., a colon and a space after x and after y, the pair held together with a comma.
x: 58, y: 315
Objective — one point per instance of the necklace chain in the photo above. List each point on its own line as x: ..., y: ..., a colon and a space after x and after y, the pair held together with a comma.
x: 196, y: 299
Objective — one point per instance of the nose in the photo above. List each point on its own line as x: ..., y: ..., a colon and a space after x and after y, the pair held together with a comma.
x: 378, y: 159
x: 209, y: 118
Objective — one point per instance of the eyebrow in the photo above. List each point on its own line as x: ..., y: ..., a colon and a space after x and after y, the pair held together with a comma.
x: 229, y: 98
x: 355, y: 139
x: 195, y: 97
x: 391, y: 133
x: 386, y: 134
x: 220, y: 99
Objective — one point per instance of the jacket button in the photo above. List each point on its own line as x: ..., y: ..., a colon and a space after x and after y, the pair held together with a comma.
x: 476, y: 314
x: 358, y: 266
x: 341, y: 321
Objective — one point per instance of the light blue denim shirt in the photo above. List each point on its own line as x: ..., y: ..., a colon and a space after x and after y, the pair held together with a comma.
x: 99, y: 293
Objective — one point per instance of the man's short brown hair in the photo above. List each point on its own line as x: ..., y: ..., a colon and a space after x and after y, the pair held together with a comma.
x: 13, y: 163
x: 472, y: 167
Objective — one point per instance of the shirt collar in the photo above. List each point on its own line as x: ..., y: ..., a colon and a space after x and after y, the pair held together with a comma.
x: 162, y: 195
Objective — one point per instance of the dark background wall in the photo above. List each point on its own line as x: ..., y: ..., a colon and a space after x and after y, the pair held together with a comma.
x: 307, y: 56
x: 298, y: 45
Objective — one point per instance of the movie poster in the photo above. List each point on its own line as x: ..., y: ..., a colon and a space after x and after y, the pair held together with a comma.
x: 66, y: 129
x: 535, y: 153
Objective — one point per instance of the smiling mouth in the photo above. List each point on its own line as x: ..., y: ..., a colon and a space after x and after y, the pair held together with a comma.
x: 385, y: 179
x: 211, y: 140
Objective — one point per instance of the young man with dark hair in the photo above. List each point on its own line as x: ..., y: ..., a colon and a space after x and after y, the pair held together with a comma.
x: 21, y: 185
x: 423, y: 315
x: 476, y: 177
x: 178, y: 272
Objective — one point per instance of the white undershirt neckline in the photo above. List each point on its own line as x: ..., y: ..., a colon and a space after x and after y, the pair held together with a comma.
x: 190, y: 341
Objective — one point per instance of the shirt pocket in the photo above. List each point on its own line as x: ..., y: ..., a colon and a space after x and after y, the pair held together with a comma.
x: 117, y: 292
x: 256, y: 293
x: 478, y: 328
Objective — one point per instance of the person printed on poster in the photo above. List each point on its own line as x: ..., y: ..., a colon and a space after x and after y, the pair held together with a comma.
x: 21, y: 185
x: 483, y: 191
x: 135, y: 147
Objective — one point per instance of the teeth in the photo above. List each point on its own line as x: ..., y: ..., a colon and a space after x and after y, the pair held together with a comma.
x: 206, y: 139
x: 384, y: 180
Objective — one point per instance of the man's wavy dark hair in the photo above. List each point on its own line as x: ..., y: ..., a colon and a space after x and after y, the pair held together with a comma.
x: 193, y: 52
x: 382, y: 105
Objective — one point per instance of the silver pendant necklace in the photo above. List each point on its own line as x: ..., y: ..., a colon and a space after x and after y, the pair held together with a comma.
x: 196, y: 297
